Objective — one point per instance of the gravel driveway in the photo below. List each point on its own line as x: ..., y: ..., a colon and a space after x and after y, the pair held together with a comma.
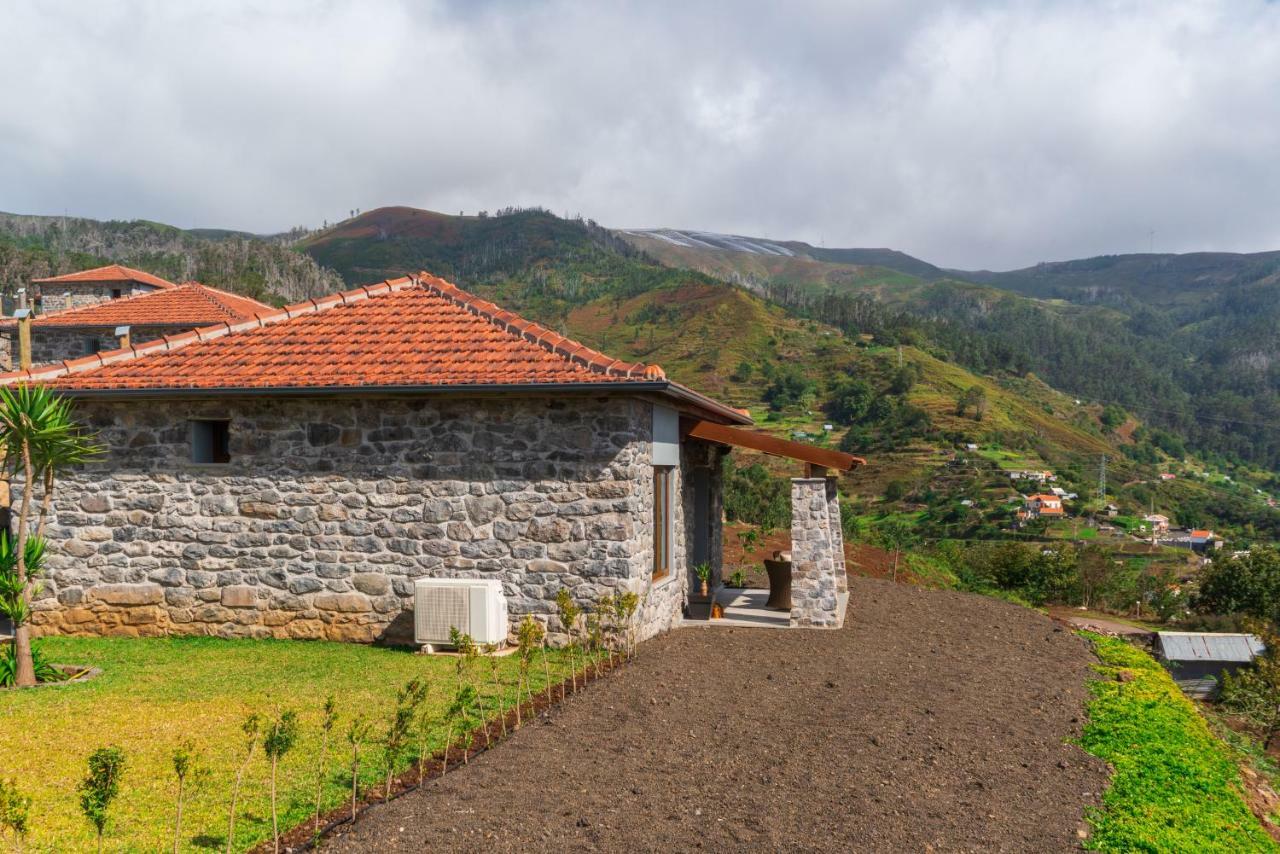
x: 932, y: 721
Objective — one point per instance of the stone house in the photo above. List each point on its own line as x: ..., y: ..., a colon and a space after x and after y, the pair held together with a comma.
x: 292, y: 475
x: 111, y: 323
x: 89, y: 287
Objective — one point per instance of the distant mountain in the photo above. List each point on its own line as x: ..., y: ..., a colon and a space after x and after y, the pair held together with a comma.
x: 263, y: 267
x: 1154, y: 279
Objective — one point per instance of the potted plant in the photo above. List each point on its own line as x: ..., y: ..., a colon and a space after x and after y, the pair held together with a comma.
x: 703, y: 571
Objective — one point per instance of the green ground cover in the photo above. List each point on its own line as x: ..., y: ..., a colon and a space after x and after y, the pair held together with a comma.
x: 156, y: 693
x: 1175, y: 786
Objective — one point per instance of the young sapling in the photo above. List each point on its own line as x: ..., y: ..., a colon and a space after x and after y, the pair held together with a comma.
x: 252, y: 729
x: 328, y: 720
x: 490, y: 652
x: 100, y: 787
x: 357, y: 735
x: 280, y: 738
x: 568, y: 611
x: 184, y: 768
x: 403, y: 714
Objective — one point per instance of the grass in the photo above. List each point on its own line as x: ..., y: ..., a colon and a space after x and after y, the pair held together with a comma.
x: 1175, y: 786
x: 155, y: 693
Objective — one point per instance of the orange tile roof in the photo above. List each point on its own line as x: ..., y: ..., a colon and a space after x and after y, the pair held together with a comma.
x: 190, y: 304
x: 409, y: 333
x: 109, y: 273
x: 1203, y: 535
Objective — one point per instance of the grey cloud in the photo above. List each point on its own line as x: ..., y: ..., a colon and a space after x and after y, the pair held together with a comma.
x: 971, y: 134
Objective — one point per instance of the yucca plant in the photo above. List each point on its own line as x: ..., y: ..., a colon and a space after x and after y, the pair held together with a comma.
x: 328, y: 720
x: 280, y: 738
x: 100, y: 787
x: 252, y: 729
x: 38, y: 438
x: 15, y: 813
x: 357, y: 734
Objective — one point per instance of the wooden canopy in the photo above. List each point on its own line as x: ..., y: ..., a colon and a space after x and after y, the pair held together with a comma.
x: 739, y: 437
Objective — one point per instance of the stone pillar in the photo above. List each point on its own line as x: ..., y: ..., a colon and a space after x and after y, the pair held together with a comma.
x: 837, y: 541
x: 818, y: 587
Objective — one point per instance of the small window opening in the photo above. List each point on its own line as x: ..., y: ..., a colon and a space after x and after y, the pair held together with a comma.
x: 116, y: 293
x: 662, y: 522
x: 92, y: 346
x: 211, y: 441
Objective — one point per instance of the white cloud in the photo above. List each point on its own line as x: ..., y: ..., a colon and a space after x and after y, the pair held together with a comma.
x: 971, y: 134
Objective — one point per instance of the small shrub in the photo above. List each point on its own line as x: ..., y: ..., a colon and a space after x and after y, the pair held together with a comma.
x: 403, y: 714
x: 15, y: 812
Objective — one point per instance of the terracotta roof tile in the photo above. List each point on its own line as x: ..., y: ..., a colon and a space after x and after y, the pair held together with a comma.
x: 412, y: 332
x: 189, y: 304
x: 109, y: 273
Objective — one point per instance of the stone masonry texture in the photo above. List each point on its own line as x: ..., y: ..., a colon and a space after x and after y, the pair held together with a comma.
x: 331, y: 508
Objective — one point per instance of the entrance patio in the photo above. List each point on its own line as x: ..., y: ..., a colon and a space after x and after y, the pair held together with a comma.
x: 808, y: 585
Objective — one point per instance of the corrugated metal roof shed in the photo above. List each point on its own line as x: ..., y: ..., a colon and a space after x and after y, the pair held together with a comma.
x: 1205, y: 646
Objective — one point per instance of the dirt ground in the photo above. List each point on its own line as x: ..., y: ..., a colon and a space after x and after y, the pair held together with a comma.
x: 934, y: 721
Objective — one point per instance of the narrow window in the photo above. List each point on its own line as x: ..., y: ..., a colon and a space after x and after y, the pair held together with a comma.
x: 661, y: 521
x: 116, y: 293
x: 211, y: 441
x: 91, y: 346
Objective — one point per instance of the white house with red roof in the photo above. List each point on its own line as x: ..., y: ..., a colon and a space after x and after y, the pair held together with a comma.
x: 294, y: 474
x: 1042, y: 505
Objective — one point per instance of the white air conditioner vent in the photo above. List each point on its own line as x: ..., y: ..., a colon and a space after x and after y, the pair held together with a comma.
x: 476, y: 607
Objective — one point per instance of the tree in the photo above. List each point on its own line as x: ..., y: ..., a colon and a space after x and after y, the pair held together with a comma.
x: 849, y: 400
x: 1254, y: 692
x: 38, y: 438
x: 1249, y: 584
x: 100, y: 787
x: 894, y: 535
x: 788, y: 387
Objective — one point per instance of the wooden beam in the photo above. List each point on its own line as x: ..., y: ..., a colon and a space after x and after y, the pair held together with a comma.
x: 821, y: 458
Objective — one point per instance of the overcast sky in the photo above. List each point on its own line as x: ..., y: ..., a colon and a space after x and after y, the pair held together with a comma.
x: 970, y: 134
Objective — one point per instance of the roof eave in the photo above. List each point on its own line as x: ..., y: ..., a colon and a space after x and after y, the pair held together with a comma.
x: 664, y: 387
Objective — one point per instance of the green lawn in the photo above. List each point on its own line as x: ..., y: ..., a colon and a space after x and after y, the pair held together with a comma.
x: 1175, y: 787
x: 156, y: 693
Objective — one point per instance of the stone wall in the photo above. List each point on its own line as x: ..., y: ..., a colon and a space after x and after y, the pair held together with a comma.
x: 819, y: 587
x: 55, y: 344
x: 55, y: 297
x: 330, y: 509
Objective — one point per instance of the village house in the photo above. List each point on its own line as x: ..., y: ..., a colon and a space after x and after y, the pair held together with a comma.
x: 1202, y: 540
x: 1043, y: 505
x: 294, y: 474
x: 89, y: 287
x: 1157, y: 523
x: 108, y: 324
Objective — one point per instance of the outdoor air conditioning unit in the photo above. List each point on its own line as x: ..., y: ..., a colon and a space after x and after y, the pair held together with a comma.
x: 473, y: 606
